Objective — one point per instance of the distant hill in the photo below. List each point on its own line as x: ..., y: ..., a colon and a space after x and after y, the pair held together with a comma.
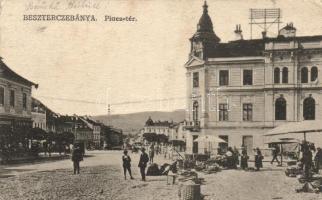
x: 133, y: 122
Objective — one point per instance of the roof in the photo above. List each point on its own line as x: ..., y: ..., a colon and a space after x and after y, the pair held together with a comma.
x: 237, y: 48
x: 256, y: 47
x: 309, y: 38
x: 11, y: 75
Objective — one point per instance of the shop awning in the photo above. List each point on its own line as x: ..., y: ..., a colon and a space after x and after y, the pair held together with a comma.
x: 308, y: 126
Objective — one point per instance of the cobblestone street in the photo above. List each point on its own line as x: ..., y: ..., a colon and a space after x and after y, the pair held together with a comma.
x: 101, y: 178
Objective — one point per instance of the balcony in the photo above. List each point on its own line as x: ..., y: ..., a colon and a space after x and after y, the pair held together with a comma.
x: 192, y: 125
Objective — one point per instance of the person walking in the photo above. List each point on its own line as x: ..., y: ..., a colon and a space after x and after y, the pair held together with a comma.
x: 276, y: 151
x: 126, y: 164
x: 258, y: 159
x: 144, y: 159
x: 244, y: 159
x: 151, y: 153
x: 77, y: 156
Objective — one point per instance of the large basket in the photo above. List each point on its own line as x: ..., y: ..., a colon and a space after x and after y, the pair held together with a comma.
x: 189, y: 192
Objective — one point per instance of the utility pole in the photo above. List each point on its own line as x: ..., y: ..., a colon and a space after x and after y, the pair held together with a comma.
x: 109, y: 119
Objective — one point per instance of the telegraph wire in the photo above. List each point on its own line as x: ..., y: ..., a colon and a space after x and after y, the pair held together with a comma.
x: 112, y: 104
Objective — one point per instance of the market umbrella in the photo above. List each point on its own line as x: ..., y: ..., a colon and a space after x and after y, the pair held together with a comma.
x: 209, y: 139
x: 308, y: 126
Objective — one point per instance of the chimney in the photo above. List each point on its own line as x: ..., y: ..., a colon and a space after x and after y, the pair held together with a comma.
x: 238, y: 32
x: 264, y: 34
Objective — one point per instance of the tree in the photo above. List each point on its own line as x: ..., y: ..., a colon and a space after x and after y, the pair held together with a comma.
x: 150, y: 137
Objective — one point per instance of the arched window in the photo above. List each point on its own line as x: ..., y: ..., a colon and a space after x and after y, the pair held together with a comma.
x: 277, y: 75
x: 309, y: 109
x: 280, y: 109
x: 195, y: 111
x: 314, y: 73
x: 304, y: 75
x: 285, y: 75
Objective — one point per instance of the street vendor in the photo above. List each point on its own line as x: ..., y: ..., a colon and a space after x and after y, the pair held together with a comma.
x: 231, y: 161
x: 258, y: 159
x: 244, y: 159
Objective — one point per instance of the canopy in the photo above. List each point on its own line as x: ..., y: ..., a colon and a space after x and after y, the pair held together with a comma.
x: 297, y: 127
x: 209, y: 138
x: 283, y: 141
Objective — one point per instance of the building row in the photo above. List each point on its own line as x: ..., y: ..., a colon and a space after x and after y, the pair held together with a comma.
x: 20, y: 113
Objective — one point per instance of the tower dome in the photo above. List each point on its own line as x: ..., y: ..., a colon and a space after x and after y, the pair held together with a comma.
x: 205, y: 23
x: 205, y: 27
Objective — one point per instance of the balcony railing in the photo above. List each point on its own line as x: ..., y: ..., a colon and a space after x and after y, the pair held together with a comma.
x: 192, y: 125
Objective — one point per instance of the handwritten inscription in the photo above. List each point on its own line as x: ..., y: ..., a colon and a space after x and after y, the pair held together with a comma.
x: 62, y: 4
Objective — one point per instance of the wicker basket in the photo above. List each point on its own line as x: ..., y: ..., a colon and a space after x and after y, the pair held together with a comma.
x: 189, y: 192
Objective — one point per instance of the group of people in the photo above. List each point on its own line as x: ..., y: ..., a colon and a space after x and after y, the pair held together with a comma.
x: 144, y: 159
x: 77, y: 157
x: 232, y: 156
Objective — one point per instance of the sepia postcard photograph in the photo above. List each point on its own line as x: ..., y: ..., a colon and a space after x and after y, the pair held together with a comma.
x: 160, y: 99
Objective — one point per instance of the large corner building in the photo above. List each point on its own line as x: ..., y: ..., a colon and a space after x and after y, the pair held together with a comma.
x: 241, y: 89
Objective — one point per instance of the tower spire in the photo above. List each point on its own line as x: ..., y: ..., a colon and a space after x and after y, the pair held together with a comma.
x: 205, y: 8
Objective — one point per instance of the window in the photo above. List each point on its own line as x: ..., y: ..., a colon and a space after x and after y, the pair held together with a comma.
x: 248, y: 77
x: 314, y: 73
x: 195, y: 79
x: 309, y: 109
x: 223, y: 112
x: 277, y: 75
x: 12, y: 98
x: 304, y: 75
x: 280, y: 109
x: 24, y: 101
x: 285, y: 75
x: 223, y: 77
x: 247, y: 112
x: 195, y: 111
x: 1, y: 96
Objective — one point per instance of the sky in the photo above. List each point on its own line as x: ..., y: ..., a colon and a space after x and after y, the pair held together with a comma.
x: 81, y: 67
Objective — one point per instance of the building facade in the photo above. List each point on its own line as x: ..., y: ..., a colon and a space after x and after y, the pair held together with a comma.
x: 159, y: 127
x: 38, y: 114
x: 15, y: 101
x: 241, y: 89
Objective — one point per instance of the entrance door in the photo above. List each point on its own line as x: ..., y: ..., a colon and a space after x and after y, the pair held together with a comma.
x: 248, y: 143
x: 194, y: 144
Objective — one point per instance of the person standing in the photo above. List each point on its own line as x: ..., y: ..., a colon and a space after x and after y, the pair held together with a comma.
x: 258, y: 159
x: 151, y: 153
x: 244, y: 159
x: 126, y: 164
x: 144, y: 159
x: 318, y: 159
x: 307, y: 161
x: 276, y: 151
x: 77, y: 156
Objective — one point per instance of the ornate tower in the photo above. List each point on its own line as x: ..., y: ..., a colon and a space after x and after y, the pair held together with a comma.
x: 205, y: 38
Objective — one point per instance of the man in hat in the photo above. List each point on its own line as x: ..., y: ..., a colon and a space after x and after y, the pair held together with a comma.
x: 77, y: 156
x: 144, y: 159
